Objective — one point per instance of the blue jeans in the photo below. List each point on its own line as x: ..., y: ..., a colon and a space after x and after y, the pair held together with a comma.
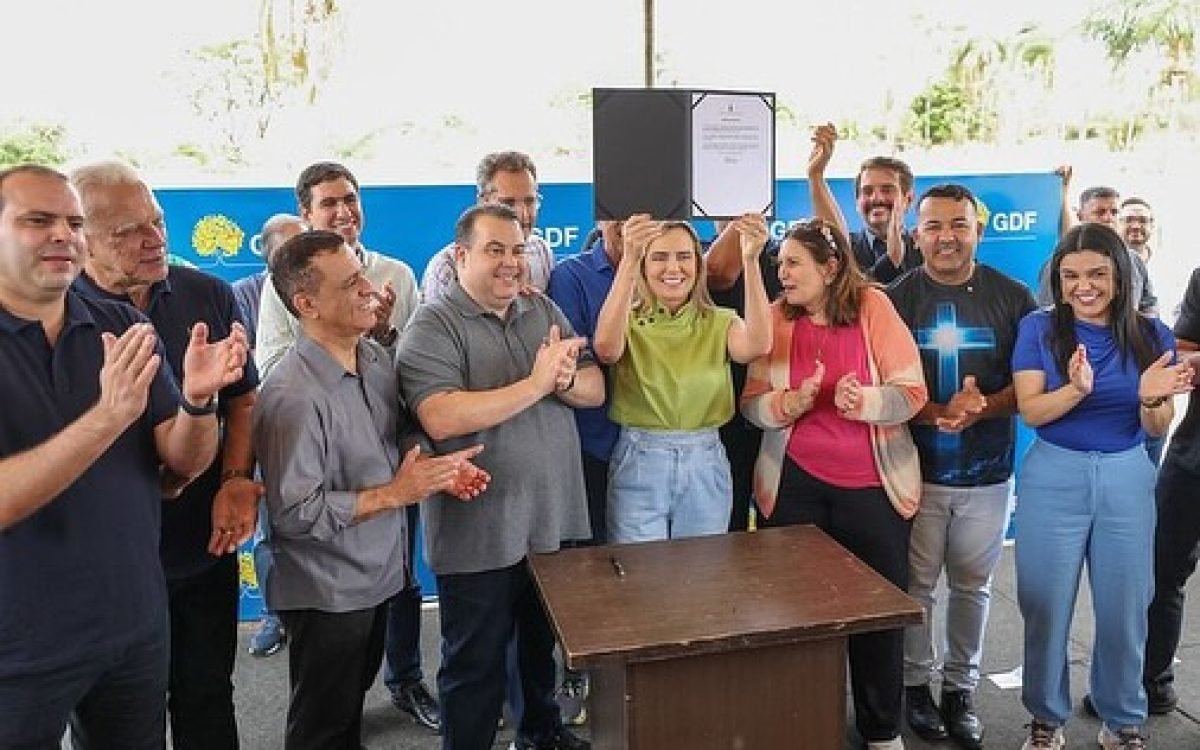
x: 115, y: 699
x: 668, y: 485
x: 960, y: 529
x: 1075, y: 507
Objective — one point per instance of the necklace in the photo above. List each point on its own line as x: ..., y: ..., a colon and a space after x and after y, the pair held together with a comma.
x: 820, y: 336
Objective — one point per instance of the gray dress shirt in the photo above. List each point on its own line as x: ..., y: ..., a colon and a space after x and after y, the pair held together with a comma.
x: 323, y: 434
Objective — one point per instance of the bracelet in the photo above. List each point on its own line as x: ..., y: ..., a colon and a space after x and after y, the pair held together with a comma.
x: 204, y: 410
x: 229, y: 474
x: 1154, y: 403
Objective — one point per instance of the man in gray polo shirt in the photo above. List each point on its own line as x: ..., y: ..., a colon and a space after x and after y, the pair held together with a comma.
x: 489, y: 365
x: 328, y: 426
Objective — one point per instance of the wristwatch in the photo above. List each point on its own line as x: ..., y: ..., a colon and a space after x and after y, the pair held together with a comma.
x: 209, y: 407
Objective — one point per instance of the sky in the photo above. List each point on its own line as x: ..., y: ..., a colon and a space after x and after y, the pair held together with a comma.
x: 507, y: 74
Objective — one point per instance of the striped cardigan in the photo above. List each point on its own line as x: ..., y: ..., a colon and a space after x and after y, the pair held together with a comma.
x: 895, y: 394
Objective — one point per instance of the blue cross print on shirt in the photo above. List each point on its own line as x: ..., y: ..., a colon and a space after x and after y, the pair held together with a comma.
x: 946, y: 338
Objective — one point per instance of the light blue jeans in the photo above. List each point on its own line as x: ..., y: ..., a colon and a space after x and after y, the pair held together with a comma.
x: 668, y: 485
x: 960, y: 529
x: 1073, y: 507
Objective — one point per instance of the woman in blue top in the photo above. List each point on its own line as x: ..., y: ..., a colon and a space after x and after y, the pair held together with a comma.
x: 1094, y: 378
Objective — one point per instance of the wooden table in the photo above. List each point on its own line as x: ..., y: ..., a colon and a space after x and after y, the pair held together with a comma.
x: 730, y: 642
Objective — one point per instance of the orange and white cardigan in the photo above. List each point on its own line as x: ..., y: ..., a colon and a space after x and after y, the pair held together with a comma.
x: 895, y: 394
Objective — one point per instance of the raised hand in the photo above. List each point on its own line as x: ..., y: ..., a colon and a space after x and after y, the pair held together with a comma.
x: 847, y: 396
x: 895, y: 238
x: 964, y: 407
x: 1079, y: 371
x: 471, y: 482
x: 555, y: 362
x: 385, y: 300
x: 209, y: 367
x: 823, y: 138
x: 1161, y: 379
x: 420, y: 476
x: 752, y: 234
x: 798, y: 402
x: 130, y: 364
x: 639, y: 231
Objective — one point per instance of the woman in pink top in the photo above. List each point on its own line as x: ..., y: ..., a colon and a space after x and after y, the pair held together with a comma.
x: 833, y: 397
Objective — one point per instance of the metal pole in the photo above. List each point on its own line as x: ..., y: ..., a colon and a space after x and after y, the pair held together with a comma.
x: 648, y: 23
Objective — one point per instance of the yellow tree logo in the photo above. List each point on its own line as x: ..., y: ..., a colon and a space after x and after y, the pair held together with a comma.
x: 984, y: 213
x: 217, y: 232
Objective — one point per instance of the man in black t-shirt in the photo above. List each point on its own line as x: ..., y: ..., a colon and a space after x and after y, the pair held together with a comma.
x: 964, y: 317
x: 1177, y: 533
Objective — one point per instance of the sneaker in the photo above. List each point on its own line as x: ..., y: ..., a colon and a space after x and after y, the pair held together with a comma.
x: 1129, y: 738
x: 894, y: 743
x: 562, y: 739
x: 415, y: 700
x: 922, y: 713
x: 1044, y: 736
x: 962, y: 723
x: 571, y: 697
x: 1161, y: 698
x: 270, y: 638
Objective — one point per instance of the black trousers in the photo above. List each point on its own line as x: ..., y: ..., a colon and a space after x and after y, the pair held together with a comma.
x: 1176, y: 539
x: 402, y: 646
x: 332, y: 662
x: 204, y: 613
x: 741, y: 440
x: 864, y: 522
x: 595, y: 482
x: 480, y: 612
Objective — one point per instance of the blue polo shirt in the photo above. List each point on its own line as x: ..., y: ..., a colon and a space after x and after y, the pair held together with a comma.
x: 80, y: 576
x: 185, y: 297
x: 579, y: 285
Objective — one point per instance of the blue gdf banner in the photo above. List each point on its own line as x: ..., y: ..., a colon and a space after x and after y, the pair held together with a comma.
x: 217, y: 230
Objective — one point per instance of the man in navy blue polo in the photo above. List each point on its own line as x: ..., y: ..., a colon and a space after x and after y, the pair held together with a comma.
x: 126, y: 262
x: 91, y: 423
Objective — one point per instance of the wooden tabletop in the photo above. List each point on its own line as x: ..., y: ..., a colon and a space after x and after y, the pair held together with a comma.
x: 658, y: 600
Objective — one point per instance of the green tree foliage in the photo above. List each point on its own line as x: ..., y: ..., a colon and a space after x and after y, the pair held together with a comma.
x: 1126, y: 27
x: 242, y: 86
x: 1166, y: 28
x: 945, y: 113
x: 36, y: 143
x: 963, y: 106
x: 298, y: 41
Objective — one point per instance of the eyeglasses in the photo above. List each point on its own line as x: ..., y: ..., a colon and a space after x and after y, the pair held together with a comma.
x: 530, y: 201
x: 1141, y: 220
